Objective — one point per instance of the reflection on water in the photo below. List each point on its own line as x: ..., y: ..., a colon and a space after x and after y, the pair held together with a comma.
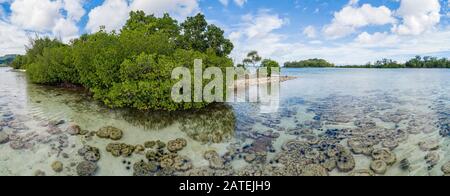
x: 330, y: 122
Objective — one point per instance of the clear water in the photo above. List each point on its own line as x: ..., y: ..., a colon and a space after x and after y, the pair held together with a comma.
x: 321, y: 105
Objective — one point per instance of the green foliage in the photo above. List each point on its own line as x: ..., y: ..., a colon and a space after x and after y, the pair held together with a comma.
x: 308, y: 63
x: 417, y: 62
x: 7, y: 59
x: 270, y: 64
x: 252, y: 59
x: 133, y: 68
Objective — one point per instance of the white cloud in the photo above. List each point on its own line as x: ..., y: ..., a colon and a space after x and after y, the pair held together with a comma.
x: 310, y: 32
x: 418, y: 16
x: 12, y: 39
x: 35, y: 15
x: 112, y: 14
x: 224, y: 2
x: 74, y: 9
x: 256, y: 32
x: 240, y: 3
x: 352, y: 17
x: 65, y: 29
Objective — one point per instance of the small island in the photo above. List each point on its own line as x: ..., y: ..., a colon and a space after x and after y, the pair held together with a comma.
x: 416, y: 63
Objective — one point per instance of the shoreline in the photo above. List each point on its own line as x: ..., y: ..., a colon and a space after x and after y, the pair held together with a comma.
x: 248, y: 82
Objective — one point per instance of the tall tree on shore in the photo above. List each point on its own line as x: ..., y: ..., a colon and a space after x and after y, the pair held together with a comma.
x: 252, y: 59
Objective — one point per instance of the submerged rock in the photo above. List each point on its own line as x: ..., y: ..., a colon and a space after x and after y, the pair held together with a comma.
x: 143, y: 168
x: 86, y: 168
x: 432, y: 158
x: 446, y: 168
x: 73, y: 129
x: 314, y: 170
x: 405, y: 164
x: 4, y: 138
x: 57, y: 166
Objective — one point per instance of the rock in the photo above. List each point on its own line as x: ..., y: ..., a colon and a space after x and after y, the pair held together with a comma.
x: 84, y: 132
x: 362, y: 172
x: 17, y: 145
x: 384, y: 155
x: 110, y: 133
x: 446, y: 168
x: 176, y: 145
x: 54, y: 130
x: 86, y: 168
x: 405, y: 164
x: 429, y: 145
x: 4, y: 138
x: 379, y: 167
x: 215, y: 161
x: 73, y: 129
x: 39, y: 173
x: 55, y: 123
x: 57, y: 166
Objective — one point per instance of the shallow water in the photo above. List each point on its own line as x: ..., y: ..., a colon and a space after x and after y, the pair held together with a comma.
x: 322, y: 107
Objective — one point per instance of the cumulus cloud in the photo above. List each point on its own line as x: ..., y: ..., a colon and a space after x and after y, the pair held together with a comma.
x: 239, y: 3
x: 113, y: 13
x: 418, y: 16
x: 310, y: 32
x: 35, y: 15
x: 352, y: 17
x: 12, y: 39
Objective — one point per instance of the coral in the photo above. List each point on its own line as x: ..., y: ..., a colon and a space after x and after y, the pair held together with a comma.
x: 360, y: 146
x: 446, y: 168
x: 384, y: 155
x: 215, y: 161
x: 432, y: 158
x: 176, y: 145
x: 150, y: 144
x: 390, y: 143
x: 39, y: 173
x: 379, y: 167
x: 182, y: 163
x: 139, y: 149
x: 57, y: 166
x: 89, y: 153
x: 362, y: 172
x: 314, y: 170
x: 429, y: 145
x: 120, y: 149
x: 345, y: 162
x: 143, y: 168
x: 86, y: 168
x: 110, y: 133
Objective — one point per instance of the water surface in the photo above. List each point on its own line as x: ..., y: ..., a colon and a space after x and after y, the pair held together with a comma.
x: 320, y: 111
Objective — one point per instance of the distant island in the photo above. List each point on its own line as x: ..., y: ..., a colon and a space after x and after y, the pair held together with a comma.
x: 417, y: 62
x: 7, y: 59
x: 310, y: 63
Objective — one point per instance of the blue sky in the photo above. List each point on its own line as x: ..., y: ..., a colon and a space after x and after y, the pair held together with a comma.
x: 342, y: 31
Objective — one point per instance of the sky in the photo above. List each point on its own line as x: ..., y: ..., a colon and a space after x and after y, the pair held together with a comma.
x: 340, y: 31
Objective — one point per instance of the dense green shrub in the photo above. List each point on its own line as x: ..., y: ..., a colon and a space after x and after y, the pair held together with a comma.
x: 269, y: 64
x: 132, y: 68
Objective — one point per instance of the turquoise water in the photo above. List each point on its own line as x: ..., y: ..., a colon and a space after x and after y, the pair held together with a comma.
x: 328, y: 122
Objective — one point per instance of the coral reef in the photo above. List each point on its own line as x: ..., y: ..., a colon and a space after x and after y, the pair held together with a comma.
x: 110, y: 132
x: 86, y: 168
